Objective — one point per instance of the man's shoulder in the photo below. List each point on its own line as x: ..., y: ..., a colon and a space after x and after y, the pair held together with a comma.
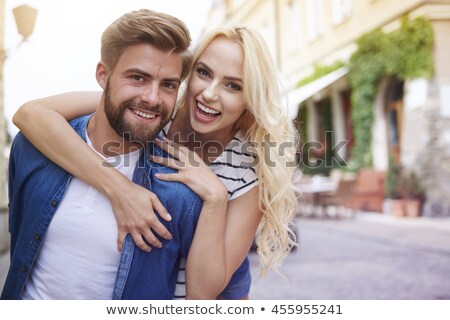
x: 79, y: 125
x: 22, y: 145
x: 175, y: 195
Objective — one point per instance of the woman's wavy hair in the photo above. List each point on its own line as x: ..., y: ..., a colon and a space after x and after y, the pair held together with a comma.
x: 266, y: 124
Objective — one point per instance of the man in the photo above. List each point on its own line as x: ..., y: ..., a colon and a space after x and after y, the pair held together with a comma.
x: 63, y: 231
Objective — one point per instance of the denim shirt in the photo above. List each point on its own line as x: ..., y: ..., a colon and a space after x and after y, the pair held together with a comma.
x: 37, y: 186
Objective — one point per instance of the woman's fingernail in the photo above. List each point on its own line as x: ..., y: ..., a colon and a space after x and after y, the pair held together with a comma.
x: 169, y: 217
x: 158, y: 175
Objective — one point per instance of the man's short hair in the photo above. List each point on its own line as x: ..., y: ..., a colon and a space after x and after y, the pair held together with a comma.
x: 160, y: 30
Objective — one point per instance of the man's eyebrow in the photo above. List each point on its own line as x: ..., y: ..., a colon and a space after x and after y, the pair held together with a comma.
x: 148, y: 75
x: 136, y: 70
x: 177, y: 80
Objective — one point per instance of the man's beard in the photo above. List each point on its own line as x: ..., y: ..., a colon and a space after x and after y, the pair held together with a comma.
x: 133, y: 132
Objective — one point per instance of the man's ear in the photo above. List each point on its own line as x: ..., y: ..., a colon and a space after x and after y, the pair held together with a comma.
x: 101, y: 73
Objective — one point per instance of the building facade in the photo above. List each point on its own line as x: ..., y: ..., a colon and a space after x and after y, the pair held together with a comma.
x: 312, y: 42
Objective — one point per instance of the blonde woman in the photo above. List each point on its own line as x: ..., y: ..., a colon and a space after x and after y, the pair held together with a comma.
x: 230, y: 130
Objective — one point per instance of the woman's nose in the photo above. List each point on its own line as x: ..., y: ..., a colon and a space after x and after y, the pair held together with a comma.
x: 211, y: 92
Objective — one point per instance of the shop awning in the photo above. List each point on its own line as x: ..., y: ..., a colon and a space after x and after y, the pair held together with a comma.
x: 307, y: 91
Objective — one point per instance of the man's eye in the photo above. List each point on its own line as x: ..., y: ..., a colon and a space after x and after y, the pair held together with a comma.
x: 234, y: 86
x: 170, y: 85
x: 137, y: 78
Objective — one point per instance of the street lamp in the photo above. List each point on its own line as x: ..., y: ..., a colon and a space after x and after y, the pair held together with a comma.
x: 25, y: 17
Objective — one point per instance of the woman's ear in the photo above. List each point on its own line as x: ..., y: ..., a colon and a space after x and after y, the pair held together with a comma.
x: 101, y: 73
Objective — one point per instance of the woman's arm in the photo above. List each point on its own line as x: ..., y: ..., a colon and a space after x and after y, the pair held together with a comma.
x: 44, y: 123
x: 241, y: 221
x: 224, y: 232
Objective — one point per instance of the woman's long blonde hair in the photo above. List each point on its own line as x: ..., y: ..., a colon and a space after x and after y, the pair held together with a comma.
x: 265, y: 123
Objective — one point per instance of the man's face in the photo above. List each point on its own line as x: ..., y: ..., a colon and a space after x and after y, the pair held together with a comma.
x: 141, y: 92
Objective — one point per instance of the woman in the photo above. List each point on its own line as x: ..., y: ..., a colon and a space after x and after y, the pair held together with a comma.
x: 230, y: 125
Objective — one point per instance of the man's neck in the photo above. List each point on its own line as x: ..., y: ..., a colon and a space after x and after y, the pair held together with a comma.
x: 105, y: 139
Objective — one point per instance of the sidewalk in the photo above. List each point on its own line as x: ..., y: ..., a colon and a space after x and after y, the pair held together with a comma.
x: 423, y: 232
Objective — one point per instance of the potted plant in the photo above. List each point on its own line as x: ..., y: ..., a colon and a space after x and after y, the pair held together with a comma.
x: 392, y: 204
x: 403, y: 191
x: 411, y: 193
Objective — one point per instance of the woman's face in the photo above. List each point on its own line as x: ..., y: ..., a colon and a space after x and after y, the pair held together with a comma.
x: 215, y: 90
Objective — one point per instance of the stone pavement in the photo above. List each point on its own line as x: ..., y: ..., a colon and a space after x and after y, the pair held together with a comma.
x: 371, y: 256
x: 426, y: 234
x: 432, y: 233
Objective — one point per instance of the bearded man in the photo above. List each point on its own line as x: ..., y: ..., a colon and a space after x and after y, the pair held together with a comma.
x: 63, y: 231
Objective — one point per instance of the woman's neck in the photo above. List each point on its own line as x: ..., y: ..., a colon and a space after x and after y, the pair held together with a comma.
x: 208, y: 146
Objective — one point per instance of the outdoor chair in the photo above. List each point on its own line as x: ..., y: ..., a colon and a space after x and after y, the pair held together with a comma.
x: 369, y: 190
x: 339, y: 201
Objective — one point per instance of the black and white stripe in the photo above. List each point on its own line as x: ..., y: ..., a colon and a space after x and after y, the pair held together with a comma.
x: 234, y: 168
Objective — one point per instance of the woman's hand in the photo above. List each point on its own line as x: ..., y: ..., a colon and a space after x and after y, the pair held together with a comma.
x: 134, y: 208
x: 192, y: 171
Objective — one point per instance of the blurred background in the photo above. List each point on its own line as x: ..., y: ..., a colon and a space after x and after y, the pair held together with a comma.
x: 367, y: 83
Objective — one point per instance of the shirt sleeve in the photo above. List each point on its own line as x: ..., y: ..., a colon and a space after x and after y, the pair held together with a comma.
x: 249, y: 180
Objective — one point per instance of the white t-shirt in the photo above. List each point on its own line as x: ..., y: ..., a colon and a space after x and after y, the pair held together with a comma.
x: 79, y: 258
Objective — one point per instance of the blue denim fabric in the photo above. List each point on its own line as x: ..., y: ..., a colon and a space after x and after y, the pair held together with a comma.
x: 36, y: 187
x: 239, y: 285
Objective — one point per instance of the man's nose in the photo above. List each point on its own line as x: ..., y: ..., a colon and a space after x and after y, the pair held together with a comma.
x: 151, y: 94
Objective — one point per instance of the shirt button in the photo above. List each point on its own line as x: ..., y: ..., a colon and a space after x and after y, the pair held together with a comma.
x: 54, y: 203
x: 37, y: 237
x: 24, y: 268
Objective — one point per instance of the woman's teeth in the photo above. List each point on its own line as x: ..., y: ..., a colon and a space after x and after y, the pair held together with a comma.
x: 143, y: 114
x: 207, y: 110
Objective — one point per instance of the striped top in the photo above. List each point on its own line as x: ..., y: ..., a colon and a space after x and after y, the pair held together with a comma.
x: 235, y: 167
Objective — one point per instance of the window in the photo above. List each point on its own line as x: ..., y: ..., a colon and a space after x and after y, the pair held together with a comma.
x: 294, y: 25
x: 314, y: 18
x: 341, y: 10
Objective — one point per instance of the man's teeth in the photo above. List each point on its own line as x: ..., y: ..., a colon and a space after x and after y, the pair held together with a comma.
x: 207, y: 110
x: 144, y: 115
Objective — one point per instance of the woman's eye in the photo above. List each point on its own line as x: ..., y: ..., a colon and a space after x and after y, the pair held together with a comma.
x: 234, y: 86
x: 202, y: 72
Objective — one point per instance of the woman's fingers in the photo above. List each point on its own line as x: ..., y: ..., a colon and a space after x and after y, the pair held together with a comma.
x: 174, y: 149
x: 169, y: 162
x: 167, y: 146
x: 170, y: 177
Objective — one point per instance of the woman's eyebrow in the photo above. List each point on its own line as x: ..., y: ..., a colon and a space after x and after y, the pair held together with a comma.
x: 204, y: 65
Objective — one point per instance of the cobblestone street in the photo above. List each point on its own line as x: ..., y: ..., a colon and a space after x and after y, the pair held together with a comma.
x: 369, y: 257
